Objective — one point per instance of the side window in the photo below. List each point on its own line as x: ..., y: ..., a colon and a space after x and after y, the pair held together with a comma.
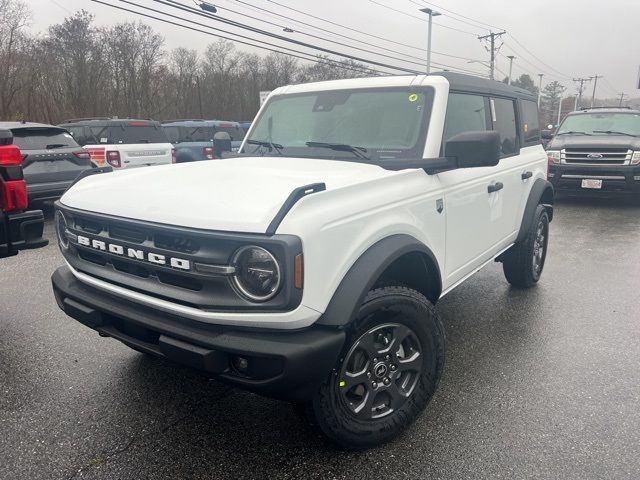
x: 78, y: 135
x: 97, y: 135
x: 465, y: 113
x: 530, y: 123
x: 503, y: 114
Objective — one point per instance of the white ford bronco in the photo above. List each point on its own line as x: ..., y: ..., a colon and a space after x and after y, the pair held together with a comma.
x: 308, y: 267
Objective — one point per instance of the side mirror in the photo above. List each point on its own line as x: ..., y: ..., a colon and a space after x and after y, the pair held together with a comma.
x: 6, y: 137
x: 546, y: 134
x: 474, y: 149
x: 221, y: 143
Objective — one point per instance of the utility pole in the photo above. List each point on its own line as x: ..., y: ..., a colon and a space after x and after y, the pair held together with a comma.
x: 581, y: 81
x: 540, y: 88
x: 595, y: 84
x: 559, y: 111
x: 492, y: 49
x: 622, y: 95
x: 511, y: 58
x: 431, y: 13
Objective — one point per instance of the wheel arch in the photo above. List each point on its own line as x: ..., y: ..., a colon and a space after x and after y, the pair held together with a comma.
x: 398, y: 258
x: 541, y: 194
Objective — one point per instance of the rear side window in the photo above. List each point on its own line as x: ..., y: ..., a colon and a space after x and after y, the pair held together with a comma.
x: 503, y: 114
x: 465, y: 113
x: 42, y: 138
x: 172, y: 133
x: 530, y: 123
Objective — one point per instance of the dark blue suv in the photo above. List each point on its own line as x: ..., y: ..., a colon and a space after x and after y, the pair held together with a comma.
x: 193, y: 139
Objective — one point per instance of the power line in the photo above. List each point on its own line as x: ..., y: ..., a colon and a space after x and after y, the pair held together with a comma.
x: 534, y: 56
x: 481, y: 24
x: 174, y: 4
x: 450, y: 15
x: 300, y: 55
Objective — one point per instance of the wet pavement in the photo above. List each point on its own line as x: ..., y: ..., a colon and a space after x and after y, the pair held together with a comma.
x: 543, y: 383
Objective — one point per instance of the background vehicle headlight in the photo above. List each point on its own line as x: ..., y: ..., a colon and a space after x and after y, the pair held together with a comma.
x: 635, y: 158
x: 553, y: 156
x: 257, y: 275
x: 61, y: 230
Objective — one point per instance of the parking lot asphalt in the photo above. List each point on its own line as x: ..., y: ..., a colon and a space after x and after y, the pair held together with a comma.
x: 543, y: 383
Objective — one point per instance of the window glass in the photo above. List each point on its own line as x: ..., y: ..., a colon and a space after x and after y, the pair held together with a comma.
x: 530, y: 122
x: 465, y: 113
x: 172, y: 134
x: 504, y: 122
x: 382, y: 123
x: 135, y: 134
x: 235, y: 132
x: 196, y: 134
x: 42, y: 138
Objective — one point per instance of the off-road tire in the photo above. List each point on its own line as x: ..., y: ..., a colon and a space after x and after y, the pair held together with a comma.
x: 389, y: 305
x: 518, y: 263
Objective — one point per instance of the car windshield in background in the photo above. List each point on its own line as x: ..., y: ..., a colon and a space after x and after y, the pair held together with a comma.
x: 129, y: 134
x: 344, y: 124
x: 42, y: 139
x: 602, y: 124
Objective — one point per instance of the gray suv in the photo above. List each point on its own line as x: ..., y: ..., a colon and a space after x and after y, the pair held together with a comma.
x: 596, y: 150
x: 51, y: 158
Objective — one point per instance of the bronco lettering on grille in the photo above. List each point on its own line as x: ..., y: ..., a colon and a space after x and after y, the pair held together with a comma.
x: 136, y: 254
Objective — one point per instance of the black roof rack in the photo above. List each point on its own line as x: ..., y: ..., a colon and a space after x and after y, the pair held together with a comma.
x: 615, y: 107
x: 73, y: 120
x: 184, y: 120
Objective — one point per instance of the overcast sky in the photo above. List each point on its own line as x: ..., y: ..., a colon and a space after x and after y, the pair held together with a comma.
x: 574, y: 38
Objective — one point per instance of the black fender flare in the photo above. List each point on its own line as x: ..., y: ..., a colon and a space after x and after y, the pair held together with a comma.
x: 541, y: 193
x: 361, y: 277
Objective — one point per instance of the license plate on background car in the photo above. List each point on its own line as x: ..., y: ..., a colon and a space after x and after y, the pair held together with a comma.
x: 590, y: 183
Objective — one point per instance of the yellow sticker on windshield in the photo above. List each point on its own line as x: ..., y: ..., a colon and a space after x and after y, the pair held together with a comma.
x: 413, y: 97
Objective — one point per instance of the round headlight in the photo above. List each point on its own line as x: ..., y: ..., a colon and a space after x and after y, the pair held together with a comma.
x: 61, y: 230
x: 257, y: 274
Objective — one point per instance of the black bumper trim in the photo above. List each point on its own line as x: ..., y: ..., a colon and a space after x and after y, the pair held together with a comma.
x: 21, y: 231
x: 281, y: 364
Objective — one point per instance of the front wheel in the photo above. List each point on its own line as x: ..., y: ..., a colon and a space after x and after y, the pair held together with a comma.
x: 387, y: 373
x: 523, y: 263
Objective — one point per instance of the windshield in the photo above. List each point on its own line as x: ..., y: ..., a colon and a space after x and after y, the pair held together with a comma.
x: 383, y: 123
x: 42, y: 138
x: 602, y: 123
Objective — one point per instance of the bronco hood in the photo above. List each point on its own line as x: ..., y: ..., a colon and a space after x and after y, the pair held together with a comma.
x: 236, y: 194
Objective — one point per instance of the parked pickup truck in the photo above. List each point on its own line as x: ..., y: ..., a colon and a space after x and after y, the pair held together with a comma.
x: 308, y: 267
x: 19, y: 229
x: 122, y: 143
x: 194, y: 140
x: 597, y: 150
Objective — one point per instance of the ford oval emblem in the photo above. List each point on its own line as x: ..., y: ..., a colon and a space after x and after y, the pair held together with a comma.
x: 595, y: 155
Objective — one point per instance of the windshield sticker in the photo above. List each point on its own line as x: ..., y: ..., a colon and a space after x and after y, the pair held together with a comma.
x: 413, y: 97
x: 104, y: 140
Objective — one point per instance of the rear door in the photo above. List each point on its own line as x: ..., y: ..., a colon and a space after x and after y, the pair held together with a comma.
x: 50, y: 155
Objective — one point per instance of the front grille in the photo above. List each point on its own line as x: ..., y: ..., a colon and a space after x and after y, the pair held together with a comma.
x: 124, y: 252
x: 596, y: 156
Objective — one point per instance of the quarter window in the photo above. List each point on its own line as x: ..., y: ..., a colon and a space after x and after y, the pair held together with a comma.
x: 530, y: 123
x: 465, y: 113
x: 503, y: 114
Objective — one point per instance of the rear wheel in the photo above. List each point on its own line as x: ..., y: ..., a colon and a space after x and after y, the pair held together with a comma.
x: 523, y: 263
x: 389, y: 370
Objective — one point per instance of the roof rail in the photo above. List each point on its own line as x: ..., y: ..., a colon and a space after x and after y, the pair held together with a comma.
x: 73, y: 120
x: 614, y: 107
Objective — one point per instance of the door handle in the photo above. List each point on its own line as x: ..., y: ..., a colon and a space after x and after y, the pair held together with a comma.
x: 526, y: 175
x: 494, y: 187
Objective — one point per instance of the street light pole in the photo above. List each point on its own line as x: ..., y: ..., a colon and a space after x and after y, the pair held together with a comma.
x: 510, y: 57
x: 432, y: 13
x: 540, y: 88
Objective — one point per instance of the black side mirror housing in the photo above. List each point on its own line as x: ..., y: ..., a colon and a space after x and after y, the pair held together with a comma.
x: 474, y: 149
x: 6, y: 137
x: 221, y: 143
x: 546, y: 134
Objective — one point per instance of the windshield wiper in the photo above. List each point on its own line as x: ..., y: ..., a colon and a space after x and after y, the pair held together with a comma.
x: 267, y: 144
x: 359, y: 152
x: 56, y: 145
x: 571, y: 132
x: 614, y: 132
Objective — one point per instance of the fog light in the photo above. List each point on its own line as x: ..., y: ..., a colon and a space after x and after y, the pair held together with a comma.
x: 241, y: 364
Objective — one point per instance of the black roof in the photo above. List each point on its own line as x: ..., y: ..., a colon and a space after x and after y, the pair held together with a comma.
x: 471, y: 83
x: 107, y: 121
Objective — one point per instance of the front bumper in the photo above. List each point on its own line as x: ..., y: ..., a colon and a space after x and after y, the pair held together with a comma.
x: 288, y: 365
x: 21, y: 231
x: 615, y: 178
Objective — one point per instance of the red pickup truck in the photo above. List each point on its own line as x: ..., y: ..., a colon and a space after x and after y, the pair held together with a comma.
x: 19, y: 229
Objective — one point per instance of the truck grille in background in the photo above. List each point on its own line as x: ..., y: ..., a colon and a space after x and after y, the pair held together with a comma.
x: 596, y: 156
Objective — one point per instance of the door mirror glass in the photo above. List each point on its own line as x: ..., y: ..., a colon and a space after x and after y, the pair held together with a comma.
x: 474, y: 149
